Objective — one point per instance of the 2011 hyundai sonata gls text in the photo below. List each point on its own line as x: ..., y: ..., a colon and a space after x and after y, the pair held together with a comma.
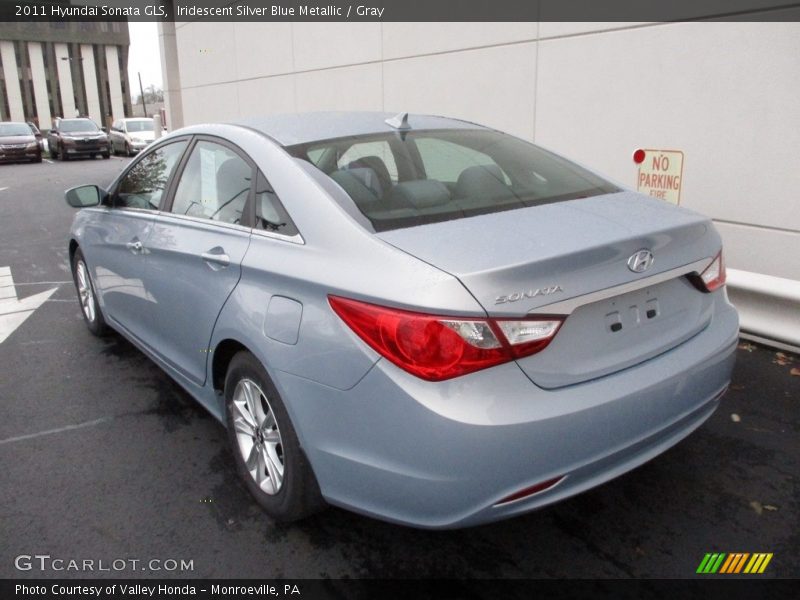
x: 415, y: 318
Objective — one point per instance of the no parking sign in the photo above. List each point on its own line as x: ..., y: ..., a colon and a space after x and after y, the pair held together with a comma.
x: 660, y: 173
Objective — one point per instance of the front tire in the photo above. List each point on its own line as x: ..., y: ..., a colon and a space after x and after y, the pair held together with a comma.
x: 266, y: 450
x: 87, y: 296
x: 63, y: 154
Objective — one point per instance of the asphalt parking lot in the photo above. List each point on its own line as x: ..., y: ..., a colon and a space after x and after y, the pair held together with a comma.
x: 103, y: 457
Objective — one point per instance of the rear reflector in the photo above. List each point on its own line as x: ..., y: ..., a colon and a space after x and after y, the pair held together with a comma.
x: 434, y: 347
x: 713, y: 277
x: 530, y: 491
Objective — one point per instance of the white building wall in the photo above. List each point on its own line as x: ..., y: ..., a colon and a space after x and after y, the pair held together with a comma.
x: 726, y: 94
x: 90, y: 81
x: 63, y: 67
x: 115, y: 83
x: 11, y: 75
x: 39, y: 85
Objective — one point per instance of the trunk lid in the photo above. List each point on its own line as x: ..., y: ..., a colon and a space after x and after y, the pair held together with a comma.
x: 522, y: 261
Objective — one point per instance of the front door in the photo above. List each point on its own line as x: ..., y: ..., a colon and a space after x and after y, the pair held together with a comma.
x: 118, y: 237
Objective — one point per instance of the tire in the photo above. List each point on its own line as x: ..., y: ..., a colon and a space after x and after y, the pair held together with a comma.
x: 38, y: 159
x: 62, y: 154
x: 106, y: 155
x: 87, y: 297
x: 128, y: 150
x: 287, y: 496
x: 53, y: 153
x: 114, y: 149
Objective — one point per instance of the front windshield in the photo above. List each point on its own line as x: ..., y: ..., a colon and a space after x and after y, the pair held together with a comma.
x: 78, y: 125
x: 9, y: 129
x: 403, y: 179
x: 145, y: 125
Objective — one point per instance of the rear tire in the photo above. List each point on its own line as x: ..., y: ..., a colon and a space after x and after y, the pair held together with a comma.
x: 87, y: 297
x: 265, y: 447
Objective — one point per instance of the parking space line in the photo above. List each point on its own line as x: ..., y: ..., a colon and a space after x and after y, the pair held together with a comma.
x: 30, y: 436
x: 15, y: 284
x: 3, y: 189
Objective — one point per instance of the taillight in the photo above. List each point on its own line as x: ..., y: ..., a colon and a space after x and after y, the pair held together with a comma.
x: 713, y: 277
x: 435, y: 347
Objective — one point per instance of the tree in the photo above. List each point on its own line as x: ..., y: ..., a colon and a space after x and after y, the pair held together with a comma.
x: 152, y: 94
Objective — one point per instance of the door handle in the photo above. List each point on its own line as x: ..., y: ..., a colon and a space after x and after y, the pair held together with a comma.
x: 220, y: 259
x: 134, y: 247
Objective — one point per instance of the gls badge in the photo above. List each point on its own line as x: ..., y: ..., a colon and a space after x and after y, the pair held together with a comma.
x: 545, y: 291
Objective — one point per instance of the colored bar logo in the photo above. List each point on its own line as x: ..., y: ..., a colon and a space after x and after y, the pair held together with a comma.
x: 734, y: 562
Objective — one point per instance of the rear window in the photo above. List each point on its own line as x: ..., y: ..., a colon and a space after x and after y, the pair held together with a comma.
x: 72, y: 125
x: 403, y: 179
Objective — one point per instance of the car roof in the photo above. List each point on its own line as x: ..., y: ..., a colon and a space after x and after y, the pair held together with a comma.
x: 302, y: 128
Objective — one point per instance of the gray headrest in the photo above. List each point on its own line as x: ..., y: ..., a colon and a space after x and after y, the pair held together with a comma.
x: 354, y: 186
x: 421, y: 193
x: 481, y: 180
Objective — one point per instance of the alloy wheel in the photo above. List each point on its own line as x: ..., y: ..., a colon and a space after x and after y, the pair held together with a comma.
x: 258, y: 436
x: 85, y: 291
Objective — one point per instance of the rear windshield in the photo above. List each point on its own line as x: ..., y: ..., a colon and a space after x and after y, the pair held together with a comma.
x: 140, y: 125
x: 77, y: 125
x: 403, y: 179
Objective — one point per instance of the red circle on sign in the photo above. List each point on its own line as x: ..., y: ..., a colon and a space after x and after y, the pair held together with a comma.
x: 638, y: 156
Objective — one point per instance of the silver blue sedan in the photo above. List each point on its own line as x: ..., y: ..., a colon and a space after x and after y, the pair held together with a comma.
x: 412, y: 317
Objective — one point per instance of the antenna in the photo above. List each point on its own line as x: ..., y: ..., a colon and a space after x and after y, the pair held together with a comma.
x: 399, y: 121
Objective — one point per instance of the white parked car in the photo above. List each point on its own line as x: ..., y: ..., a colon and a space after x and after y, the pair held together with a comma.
x: 128, y: 136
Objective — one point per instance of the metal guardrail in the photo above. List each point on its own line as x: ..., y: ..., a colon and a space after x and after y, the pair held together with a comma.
x: 769, y: 307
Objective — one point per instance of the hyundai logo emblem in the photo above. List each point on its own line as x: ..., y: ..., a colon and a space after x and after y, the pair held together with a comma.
x: 641, y: 261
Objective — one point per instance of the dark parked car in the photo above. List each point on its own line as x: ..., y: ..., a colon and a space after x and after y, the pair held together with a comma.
x: 18, y: 143
x: 77, y: 137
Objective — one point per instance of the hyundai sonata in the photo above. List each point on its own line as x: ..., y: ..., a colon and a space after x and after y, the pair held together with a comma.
x: 412, y: 317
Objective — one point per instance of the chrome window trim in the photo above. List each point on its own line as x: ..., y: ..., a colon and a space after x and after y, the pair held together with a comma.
x: 295, y: 239
x: 567, y: 307
x: 203, y: 221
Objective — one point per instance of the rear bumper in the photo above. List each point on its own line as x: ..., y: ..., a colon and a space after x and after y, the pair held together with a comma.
x: 442, y: 455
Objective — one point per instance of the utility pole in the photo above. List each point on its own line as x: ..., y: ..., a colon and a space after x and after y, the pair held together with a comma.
x: 141, y: 91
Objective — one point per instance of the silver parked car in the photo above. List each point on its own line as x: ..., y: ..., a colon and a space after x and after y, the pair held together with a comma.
x: 129, y: 136
x: 415, y: 318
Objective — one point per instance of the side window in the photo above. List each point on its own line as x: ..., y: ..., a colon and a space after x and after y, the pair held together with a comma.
x: 143, y: 186
x: 214, y: 185
x: 270, y: 214
x: 445, y: 161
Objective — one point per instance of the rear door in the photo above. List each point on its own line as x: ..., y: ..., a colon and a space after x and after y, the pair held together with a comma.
x: 195, y: 251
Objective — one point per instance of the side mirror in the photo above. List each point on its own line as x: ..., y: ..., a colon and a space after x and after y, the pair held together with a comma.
x: 84, y: 196
x: 38, y: 135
